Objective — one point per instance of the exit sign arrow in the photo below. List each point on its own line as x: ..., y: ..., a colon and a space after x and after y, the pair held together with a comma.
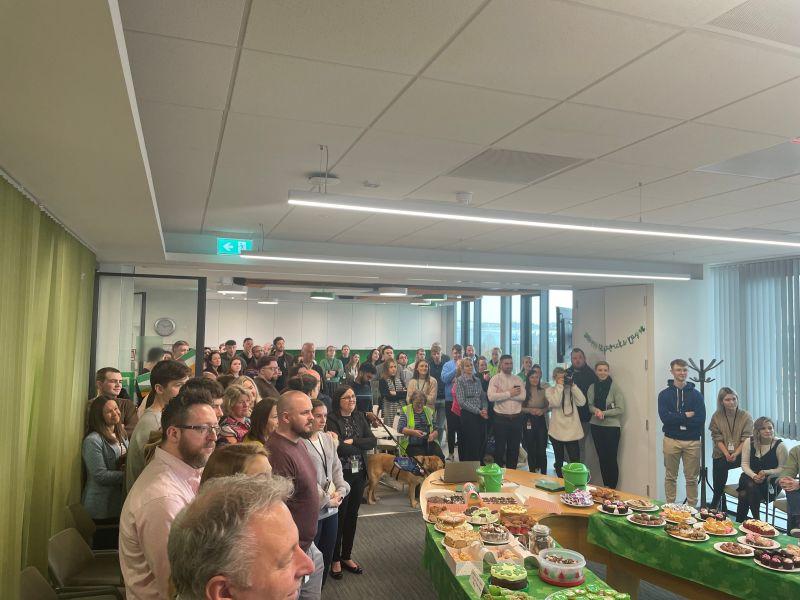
x: 233, y: 246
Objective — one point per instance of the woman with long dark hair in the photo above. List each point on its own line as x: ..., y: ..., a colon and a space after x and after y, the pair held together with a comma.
x: 355, y: 438
x: 213, y: 364
x: 422, y: 381
x: 565, y: 428
x: 534, y: 433
x: 104, y: 449
x: 263, y: 422
x: 607, y: 405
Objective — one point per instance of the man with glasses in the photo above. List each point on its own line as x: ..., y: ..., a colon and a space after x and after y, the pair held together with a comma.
x: 168, y: 483
x: 269, y: 372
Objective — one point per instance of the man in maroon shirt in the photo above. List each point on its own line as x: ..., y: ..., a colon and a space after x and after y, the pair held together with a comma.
x: 290, y: 459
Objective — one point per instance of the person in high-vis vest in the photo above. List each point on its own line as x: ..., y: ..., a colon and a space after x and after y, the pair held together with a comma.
x: 418, y: 428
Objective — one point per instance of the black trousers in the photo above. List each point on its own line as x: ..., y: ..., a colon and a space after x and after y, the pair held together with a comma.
x: 106, y: 537
x: 325, y: 541
x: 751, y: 495
x: 572, y: 449
x: 535, y: 442
x: 606, y: 442
x: 348, y: 515
x: 425, y: 449
x: 507, y: 438
x: 472, y: 436
x: 453, y: 425
x: 719, y: 472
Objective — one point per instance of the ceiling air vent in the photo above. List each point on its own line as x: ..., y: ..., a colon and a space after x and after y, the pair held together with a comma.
x: 511, y: 166
x: 774, y: 20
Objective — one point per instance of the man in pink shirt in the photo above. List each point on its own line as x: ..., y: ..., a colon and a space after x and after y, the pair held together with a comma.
x: 168, y: 483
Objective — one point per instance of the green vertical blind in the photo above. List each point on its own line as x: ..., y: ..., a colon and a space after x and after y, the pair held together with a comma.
x: 45, y: 327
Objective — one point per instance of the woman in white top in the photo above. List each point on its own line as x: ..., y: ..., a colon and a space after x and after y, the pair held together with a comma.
x: 422, y: 381
x: 762, y: 458
x: 565, y: 427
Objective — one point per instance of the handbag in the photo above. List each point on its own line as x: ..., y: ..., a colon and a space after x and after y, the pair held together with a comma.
x: 456, y: 408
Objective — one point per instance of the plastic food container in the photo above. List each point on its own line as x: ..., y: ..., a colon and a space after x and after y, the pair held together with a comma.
x: 556, y: 573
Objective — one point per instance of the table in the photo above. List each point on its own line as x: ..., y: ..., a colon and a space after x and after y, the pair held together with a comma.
x: 448, y: 586
x: 570, y: 527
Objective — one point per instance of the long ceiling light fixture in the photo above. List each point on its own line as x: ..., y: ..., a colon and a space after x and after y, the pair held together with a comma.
x: 444, y: 211
x: 365, y: 263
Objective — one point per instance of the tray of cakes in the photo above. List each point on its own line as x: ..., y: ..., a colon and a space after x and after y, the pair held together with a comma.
x: 448, y: 521
x: 758, y: 541
x: 686, y: 533
x: 462, y: 561
x: 646, y: 520
x: 516, y: 519
x: 721, y: 528
x: 679, y: 507
x: 461, y: 538
x: 599, y: 494
x: 435, y: 501
x: 577, y: 499
x: 778, y: 560
x: 734, y: 549
x: 494, y: 533
x: 642, y: 505
x: 614, y: 507
x: 710, y: 513
x: 759, y: 527
x: 481, y: 515
x: 678, y: 517
x: 497, y: 500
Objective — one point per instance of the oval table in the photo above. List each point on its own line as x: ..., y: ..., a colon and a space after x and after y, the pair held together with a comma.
x: 603, y: 539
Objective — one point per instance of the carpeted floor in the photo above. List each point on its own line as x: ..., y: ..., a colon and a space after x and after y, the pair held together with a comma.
x: 389, y: 545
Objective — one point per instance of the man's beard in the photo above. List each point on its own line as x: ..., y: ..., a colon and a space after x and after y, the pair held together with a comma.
x: 194, y: 459
x: 302, y: 433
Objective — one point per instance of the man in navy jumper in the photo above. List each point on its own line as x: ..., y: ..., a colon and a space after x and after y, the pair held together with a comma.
x: 683, y: 413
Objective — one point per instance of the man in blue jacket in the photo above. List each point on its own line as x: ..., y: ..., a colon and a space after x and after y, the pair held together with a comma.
x: 448, y: 376
x: 683, y: 413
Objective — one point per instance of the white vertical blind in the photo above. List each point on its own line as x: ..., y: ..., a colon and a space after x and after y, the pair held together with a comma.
x: 755, y: 330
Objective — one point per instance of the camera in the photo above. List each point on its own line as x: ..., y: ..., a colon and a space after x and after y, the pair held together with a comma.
x: 568, y: 379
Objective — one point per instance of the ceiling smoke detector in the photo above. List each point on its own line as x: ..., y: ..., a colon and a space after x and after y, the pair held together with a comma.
x: 319, y: 179
x: 464, y: 198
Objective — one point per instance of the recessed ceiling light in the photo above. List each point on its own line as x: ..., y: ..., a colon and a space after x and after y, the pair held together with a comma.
x: 393, y: 291
x: 420, y: 302
x: 268, y: 301
x: 418, y: 209
x: 364, y: 263
x: 322, y: 295
x: 435, y: 297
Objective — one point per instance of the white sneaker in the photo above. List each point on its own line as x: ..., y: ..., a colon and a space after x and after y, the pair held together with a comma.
x: 451, y: 458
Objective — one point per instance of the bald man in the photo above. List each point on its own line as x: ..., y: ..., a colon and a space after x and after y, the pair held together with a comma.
x: 290, y: 459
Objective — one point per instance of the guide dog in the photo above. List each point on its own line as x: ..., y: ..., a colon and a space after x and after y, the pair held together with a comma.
x: 378, y: 464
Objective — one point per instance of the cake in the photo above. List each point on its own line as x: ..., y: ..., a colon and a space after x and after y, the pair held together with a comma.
x: 513, y: 510
x: 734, y: 548
x: 447, y: 521
x: 492, y: 592
x: 516, y: 519
x: 707, y: 513
x: 645, y: 519
x: 759, y: 527
x: 509, y: 576
x: 479, y: 516
x: 494, y: 533
x: 614, y: 507
x: 599, y: 494
x: 461, y: 538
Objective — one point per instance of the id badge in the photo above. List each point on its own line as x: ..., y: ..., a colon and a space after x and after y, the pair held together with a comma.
x: 354, y: 465
x: 330, y: 488
x: 528, y: 425
x: 731, y: 447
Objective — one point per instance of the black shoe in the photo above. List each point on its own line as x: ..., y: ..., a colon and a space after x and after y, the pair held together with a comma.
x: 336, y: 575
x: 357, y: 569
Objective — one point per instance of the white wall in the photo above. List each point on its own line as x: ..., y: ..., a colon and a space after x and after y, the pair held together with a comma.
x: 358, y: 324
x: 178, y: 305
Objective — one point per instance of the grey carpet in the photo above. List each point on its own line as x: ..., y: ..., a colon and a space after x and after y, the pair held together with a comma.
x: 389, y: 548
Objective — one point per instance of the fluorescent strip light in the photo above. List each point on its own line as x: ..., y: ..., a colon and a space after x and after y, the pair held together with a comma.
x: 231, y: 292
x: 364, y: 263
x: 392, y: 291
x: 485, y: 218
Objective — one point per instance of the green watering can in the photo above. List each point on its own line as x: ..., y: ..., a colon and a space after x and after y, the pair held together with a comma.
x: 576, y: 476
x: 490, y: 477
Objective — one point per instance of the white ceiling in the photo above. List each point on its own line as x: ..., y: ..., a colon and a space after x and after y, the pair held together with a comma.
x: 236, y: 97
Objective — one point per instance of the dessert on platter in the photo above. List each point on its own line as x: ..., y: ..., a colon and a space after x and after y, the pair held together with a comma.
x: 505, y: 555
x: 447, y: 521
x: 686, y: 533
x: 509, y: 576
x: 715, y: 527
x: 641, y: 505
x: 461, y: 538
x: 589, y: 592
x: 757, y: 541
x: 646, y: 520
x: 679, y: 517
x: 599, y: 494
x: 578, y: 499
x: 498, y: 500
x: 679, y: 507
x: 614, y: 507
x: 493, y: 592
x: 481, y: 516
x: 443, y: 501
x: 734, y: 549
x: 778, y: 560
x: 494, y: 533
x: 759, y: 527
x: 516, y: 519
x: 710, y: 513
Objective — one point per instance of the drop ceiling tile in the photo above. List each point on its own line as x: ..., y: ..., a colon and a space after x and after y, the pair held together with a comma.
x: 444, y: 189
x: 438, y: 234
x: 180, y: 143
x: 216, y: 21
x: 380, y: 34
x: 748, y: 218
x: 258, y: 141
x: 783, y: 225
x: 501, y: 239
x: 239, y: 185
x: 795, y: 180
x: 297, y: 88
x: 577, y: 45
x: 405, y: 153
x: 772, y: 111
x: 583, y: 131
x: 376, y: 229
x: 709, y: 70
x: 392, y: 185
x: 692, y: 145
x: 307, y: 224
x: 677, y: 12
x: 459, y: 112
x: 179, y: 71
x: 610, y: 207
x: 602, y: 177
x: 676, y: 214
x: 759, y: 196
x: 694, y: 184
x: 540, y: 198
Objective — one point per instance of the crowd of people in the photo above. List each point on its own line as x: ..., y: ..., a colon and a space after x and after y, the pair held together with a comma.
x: 206, y: 465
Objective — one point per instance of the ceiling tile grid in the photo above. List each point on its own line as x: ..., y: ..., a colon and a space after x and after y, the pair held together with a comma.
x: 215, y: 21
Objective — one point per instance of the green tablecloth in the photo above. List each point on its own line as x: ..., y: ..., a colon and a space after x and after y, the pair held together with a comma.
x: 695, y: 561
x: 448, y: 586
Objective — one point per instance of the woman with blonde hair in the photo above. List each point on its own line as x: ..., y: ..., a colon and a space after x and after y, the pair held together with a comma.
x: 235, y: 406
x: 763, y: 457
x: 235, y: 459
x: 252, y: 389
x: 730, y: 427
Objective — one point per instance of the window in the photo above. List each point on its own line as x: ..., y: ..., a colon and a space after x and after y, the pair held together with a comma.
x: 471, y: 323
x: 490, y: 324
x: 558, y: 299
x: 534, y: 333
x: 515, y: 331
x: 458, y: 333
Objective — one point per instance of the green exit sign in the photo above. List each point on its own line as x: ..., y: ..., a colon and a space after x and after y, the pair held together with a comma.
x: 233, y: 246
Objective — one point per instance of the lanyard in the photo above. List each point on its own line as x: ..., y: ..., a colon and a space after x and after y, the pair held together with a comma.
x: 321, y: 452
x: 731, y: 427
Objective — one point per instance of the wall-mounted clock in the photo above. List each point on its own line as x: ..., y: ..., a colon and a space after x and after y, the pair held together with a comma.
x: 164, y: 326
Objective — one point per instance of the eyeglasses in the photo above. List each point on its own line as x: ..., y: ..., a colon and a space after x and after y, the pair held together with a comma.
x: 204, y: 429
